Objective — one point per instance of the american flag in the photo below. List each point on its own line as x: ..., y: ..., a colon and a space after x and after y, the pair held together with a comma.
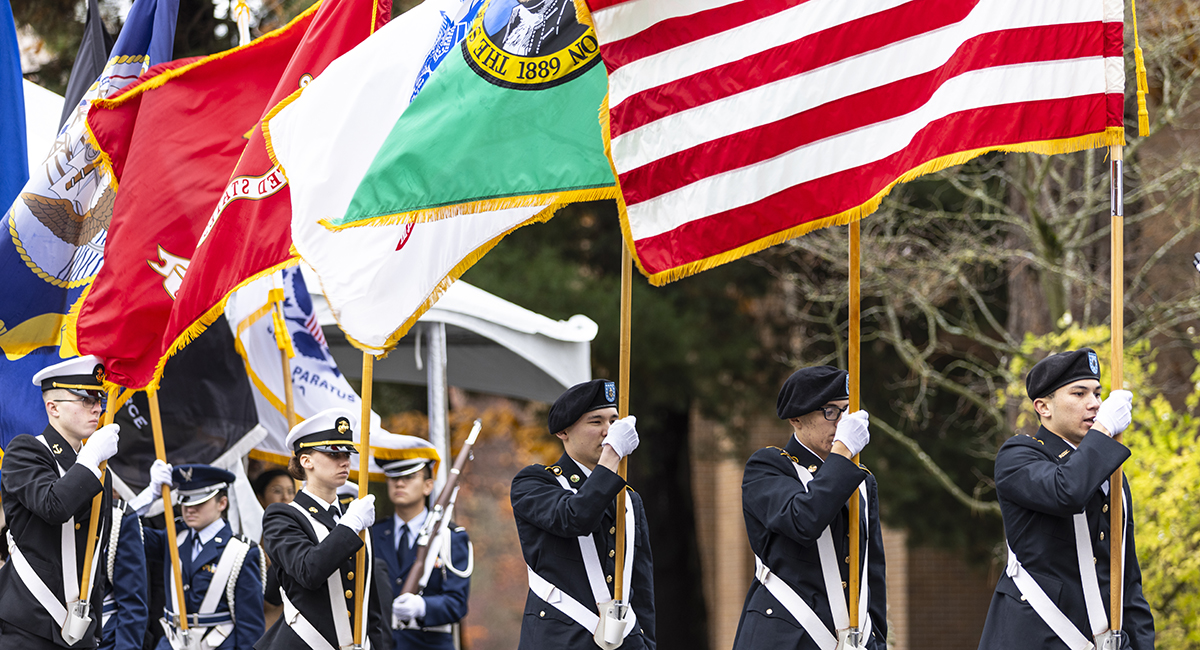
x: 737, y: 125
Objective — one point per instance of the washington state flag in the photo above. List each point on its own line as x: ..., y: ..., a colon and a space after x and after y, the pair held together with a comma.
x: 510, y: 119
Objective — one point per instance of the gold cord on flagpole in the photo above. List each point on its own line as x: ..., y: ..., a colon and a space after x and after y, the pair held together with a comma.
x: 160, y: 452
x: 364, y: 477
x: 853, y: 363
x: 1142, y: 86
x: 97, y: 503
x: 622, y: 411
x: 284, y: 342
x: 1116, y: 490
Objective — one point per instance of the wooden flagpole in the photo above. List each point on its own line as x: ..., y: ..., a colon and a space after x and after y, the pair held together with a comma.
x: 622, y: 411
x: 160, y: 452
x: 853, y: 363
x: 97, y: 503
x: 1116, y: 490
x: 364, y: 477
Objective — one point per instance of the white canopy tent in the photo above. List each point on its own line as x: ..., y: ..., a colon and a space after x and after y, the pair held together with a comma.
x: 479, y: 342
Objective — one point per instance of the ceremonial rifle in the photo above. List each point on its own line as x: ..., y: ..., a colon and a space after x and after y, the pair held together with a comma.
x: 441, y: 510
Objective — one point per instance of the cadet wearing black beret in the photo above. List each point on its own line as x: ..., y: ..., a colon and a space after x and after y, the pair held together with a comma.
x: 1053, y: 494
x: 794, y: 501
x: 566, y: 520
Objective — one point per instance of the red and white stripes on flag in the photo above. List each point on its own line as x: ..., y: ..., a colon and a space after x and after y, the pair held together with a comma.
x: 737, y: 125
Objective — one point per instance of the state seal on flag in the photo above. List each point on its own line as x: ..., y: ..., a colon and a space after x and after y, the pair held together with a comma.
x: 529, y: 44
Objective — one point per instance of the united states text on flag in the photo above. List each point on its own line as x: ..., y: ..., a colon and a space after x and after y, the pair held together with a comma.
x: 738, y: 125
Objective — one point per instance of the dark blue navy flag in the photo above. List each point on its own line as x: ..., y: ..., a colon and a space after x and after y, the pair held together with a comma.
x: 14, y: 164
x: 52, y: 240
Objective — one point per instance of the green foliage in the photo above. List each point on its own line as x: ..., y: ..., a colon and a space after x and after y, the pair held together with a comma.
x: 1163, y: 474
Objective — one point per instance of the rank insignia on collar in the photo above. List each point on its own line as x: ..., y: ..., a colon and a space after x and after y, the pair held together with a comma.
x: 56, y: 449
x: 1065, y: 452
x: 312, y: 510
x: 812, y: 468
x: 574, y: 478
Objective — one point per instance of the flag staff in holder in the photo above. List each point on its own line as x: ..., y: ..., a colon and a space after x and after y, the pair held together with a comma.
x: 46, y: 480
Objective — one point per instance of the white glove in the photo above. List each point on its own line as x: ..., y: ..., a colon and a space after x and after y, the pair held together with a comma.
x: 622, y: 436
x: 1116, y: 412
x: 407, y: 607
x: 160, y: 475
x: 100, y: 446
x: 359, y: 514
x: 852, y: 432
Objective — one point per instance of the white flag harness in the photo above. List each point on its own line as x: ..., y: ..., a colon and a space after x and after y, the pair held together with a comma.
x: 578, y: 612
x: 800, y: 610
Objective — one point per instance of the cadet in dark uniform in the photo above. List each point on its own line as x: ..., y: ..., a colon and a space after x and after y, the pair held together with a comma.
x: 566, y: 520
x: 214, y: 563
x: 125, y: 612
x: 47, y: 489
x: 421, y: 621
x: 312, y: 543
x: 1053, y: 493
x: 795, y: 503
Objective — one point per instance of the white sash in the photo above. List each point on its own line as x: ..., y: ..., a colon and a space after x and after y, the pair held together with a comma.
x: 35, y: 585
x: 337, y: 601
x: 832, y: 578
x: 1045, y: 608
x: 564, y: 603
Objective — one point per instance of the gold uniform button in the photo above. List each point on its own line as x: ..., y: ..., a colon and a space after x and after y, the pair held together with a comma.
x: 542, y: 613
x: 1022, y: 599
x: 1101, y: 535
x: 609, y: 578
x: 612, y: 531
x: 847, y: 559
x: 1105, y: 508
x: 844, y: 585
x: 1095, y: 560
x: 769, y: 611
x: 349, y: 575
x: 611, y: 553
x: 76, y: 526
x: 349, y: 594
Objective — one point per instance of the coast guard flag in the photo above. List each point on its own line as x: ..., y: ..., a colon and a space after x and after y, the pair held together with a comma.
x: 317, y: 384
x: 387, y: 119
x: 54, y: 234
x: 739, y: 125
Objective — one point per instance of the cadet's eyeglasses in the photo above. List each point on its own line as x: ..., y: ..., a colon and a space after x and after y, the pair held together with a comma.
x: 88, y: 402
x: 832, y: 413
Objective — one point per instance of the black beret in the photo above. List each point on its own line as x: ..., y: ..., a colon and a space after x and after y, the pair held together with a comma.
x: 1058, y: 370
x: 808, y: 389
x: 580, y: 399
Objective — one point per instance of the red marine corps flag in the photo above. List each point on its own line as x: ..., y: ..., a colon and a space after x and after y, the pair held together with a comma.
x: 185, y: 144
x: 739, y: 125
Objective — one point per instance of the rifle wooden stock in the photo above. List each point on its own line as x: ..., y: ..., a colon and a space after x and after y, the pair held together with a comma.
x: 412, y: 582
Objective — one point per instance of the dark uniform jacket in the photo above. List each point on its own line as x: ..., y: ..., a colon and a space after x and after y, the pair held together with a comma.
x: 550, y: 520
x: 303, y: 566
x: 128, y: 585
x: 445, y: 595
x: 784, y: 521
x: 37, y: 502
x: 1041, y: 484
x: 197, y: 578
